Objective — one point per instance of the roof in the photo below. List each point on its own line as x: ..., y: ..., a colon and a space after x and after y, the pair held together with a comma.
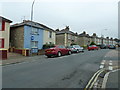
x: 65, y: 30
x: 84, y: 35
x: 5, y: 19
x: 33, y: 24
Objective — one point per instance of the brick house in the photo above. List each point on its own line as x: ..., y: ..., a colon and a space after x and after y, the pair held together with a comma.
x: 84, y: 39
x: 23, y: 36
x: 4, y: 36
x: 66, y: 37
x: 31, y: 35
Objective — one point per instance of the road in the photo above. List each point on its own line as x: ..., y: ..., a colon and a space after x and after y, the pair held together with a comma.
x: 72, y: 71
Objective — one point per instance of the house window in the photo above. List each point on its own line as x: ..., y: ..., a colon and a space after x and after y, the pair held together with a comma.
x: 73, y: 38
x: 34, y: 44
x: 50, y: 42
x: 2, y: 26
x: 50, y: 34
x: 69, y: 36
x: 34, y: 30
x: 1, y: 43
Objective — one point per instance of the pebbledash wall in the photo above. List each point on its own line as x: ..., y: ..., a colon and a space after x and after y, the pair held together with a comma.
x: 27, y: 37
x: 4, y: 37
x: 47, y: 39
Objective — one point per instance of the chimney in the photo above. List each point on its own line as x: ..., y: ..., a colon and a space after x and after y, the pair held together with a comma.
x: 94, y: 34
x: 84, y: 32
x: 57, y: 30
x: 67, y: 28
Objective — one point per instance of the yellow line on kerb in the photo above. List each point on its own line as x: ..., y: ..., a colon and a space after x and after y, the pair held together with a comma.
x: 96, y: 78
x: 98, y: 72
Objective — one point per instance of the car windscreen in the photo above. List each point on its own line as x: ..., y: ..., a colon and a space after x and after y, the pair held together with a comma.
x: 76, y: 46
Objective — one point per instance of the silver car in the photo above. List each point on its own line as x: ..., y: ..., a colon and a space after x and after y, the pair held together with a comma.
x: 76, y: 48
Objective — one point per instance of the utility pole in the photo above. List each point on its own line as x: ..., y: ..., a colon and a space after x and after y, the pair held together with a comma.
x: 102, y: 36
x: 31, y: 27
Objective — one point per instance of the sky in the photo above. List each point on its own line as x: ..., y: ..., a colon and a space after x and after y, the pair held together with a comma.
x: 92, y: 16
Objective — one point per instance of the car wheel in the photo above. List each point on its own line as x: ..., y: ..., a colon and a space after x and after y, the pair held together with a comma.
x: 69, y: 52
x: 48, y: 56
x: 59, y: 54
x: 77, y: 51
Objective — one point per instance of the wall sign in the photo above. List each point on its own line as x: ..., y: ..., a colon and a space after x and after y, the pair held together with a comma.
x: 32, y: 37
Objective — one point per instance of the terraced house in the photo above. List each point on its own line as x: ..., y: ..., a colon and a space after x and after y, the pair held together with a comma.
x: 66, y: 37
x: 4, y: 36
x: 30, y: 35
x: 49, y: 35
x: 85, y: 39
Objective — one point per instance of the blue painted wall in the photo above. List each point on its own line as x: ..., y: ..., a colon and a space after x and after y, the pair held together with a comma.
x: 27, y: 37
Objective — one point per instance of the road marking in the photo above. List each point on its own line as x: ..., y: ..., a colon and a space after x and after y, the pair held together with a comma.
x: 92, y: 79
x: 102, y: 62
x: 110, y: 61
x: 110, y: 64
x: 96, y: 78
x: 110, y: 68
x: 106, y: 78
x: 101, y: 66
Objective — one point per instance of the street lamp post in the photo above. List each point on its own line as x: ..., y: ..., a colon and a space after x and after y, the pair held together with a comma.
x: 31, y: 27
x: 102, y: 36
x: 32, y: 10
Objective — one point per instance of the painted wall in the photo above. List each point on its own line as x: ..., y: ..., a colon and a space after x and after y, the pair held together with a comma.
x: 46, y: 38
x: 5, y: 35
x: 27, y: 37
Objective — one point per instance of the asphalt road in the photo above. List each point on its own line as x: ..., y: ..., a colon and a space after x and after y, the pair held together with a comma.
x: 71, y: 71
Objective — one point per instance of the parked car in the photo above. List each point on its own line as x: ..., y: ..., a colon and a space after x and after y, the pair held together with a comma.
x: 103, y: 46
x: 76, y: 48
x: 58, y: 50
x: 92, y: 47
x: 112, y: 47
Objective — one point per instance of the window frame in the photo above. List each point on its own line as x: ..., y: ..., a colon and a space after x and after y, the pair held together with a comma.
x: 50, y: 34
x: 2, y: 25
x: 33, y: 44
x: 2, y: 42
x: 35, y: 31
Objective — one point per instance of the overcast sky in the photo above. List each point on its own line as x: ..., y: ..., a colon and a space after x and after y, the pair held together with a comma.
x: 92, y: 16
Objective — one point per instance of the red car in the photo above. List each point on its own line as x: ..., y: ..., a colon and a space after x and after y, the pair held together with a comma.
x: 92, y: 47
x: 57, y: 51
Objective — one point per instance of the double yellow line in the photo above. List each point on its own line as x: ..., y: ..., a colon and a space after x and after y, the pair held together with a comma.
x: 93, y: 79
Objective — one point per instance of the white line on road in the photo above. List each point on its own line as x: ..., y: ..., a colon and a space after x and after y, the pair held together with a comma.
x: 106, y: 78
x: 102, y: 63
x: 101, y: 66
x: 110, y: 61
x: 110, y: 64
x: 110, y: 68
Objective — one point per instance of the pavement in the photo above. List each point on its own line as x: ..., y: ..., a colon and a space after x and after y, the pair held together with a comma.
x: 112, y: 62
x: 113, y: 80
x: 14, y: 58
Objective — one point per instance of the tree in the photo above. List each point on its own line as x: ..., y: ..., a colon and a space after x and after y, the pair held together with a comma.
x: 73, y: 44
x: 93, y: 43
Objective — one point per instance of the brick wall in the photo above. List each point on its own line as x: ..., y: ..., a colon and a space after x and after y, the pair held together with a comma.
x: 60, y: 39
x: 17, y: 37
